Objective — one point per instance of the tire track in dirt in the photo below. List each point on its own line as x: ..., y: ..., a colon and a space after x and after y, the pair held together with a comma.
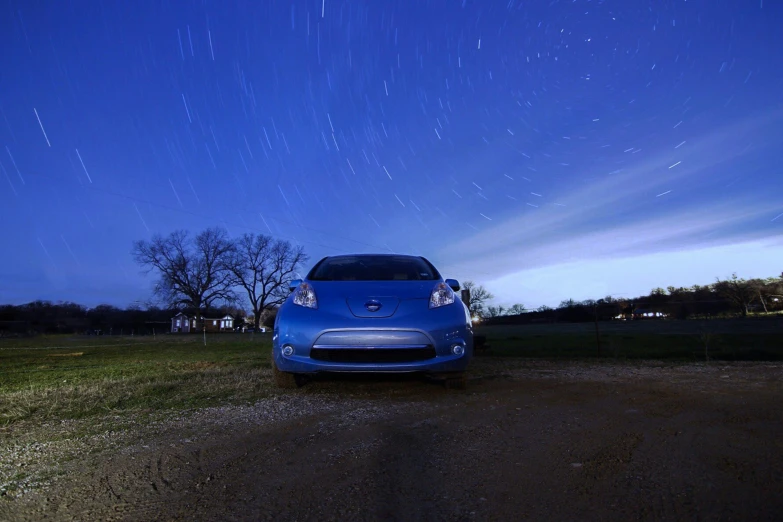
x: 540, y: 448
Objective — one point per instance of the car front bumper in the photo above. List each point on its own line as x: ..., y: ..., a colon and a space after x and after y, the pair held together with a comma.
x: 330, y: 344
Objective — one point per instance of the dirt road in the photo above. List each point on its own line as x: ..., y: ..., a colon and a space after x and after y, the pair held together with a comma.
x: 540, y: 441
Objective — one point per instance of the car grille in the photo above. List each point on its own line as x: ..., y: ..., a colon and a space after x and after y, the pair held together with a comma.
x: 372, y: 355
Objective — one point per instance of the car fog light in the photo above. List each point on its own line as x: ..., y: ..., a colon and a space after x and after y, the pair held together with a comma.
x: 288, y: 350
x: 457, y: 349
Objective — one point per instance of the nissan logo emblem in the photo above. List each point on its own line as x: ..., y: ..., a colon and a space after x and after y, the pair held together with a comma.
x: 372, y: 306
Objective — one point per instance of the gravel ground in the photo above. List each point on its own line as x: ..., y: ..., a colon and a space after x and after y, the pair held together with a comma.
x: 528, y: 439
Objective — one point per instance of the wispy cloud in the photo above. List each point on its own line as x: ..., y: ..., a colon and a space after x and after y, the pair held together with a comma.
x: 619, y: 215
x: 634, y: 276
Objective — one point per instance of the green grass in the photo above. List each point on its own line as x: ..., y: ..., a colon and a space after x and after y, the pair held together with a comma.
x: 71, y: 377
x: 65, y: 377
x: 732, y: 340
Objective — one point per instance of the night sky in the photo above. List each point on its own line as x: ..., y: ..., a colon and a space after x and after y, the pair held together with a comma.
x: 547, y: 150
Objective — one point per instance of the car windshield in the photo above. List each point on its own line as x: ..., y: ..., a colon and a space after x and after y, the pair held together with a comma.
x: 373, y: 268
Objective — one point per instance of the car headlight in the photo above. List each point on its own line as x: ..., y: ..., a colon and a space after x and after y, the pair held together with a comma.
x: 304, y: 295
x: 442, y: 295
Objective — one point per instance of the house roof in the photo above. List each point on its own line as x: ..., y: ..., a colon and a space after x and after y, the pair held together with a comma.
x: 183, y: 314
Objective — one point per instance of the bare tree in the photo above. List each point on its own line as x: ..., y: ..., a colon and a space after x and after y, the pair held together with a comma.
x: 263, y: 267
x: 478, y: 297
x: 193, y: 273
x: 738, y: 291
x: 773, y: 289
x: 495, y: 311
x: 768, y: 291
x: 517, y: 309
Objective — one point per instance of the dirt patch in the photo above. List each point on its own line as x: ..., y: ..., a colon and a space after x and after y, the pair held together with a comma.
x: 533, y: 440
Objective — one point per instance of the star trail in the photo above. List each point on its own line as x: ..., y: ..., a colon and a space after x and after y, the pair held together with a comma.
x: 510, y: 142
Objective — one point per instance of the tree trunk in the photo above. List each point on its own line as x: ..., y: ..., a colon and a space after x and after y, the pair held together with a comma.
x: 200, y: 324
x: 763, y: 303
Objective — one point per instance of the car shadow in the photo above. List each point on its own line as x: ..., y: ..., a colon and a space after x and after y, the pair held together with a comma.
x: 384, y: 383
x: 408, y: 482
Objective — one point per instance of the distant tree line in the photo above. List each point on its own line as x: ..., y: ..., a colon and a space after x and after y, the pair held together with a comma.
x: 45, y: 317
x: 213, y: 275
x: 206, y: 275
x: 478, y: 303
x: 730, y: 297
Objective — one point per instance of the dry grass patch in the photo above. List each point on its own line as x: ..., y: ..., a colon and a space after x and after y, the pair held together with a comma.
x: 41, y: 384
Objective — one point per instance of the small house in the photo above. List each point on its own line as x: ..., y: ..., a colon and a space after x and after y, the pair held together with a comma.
x: 183, y: 323
x: 641, y: 313
x: 219, y: 324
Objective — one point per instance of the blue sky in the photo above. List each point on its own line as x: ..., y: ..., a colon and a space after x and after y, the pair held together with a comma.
x: 547, y: 151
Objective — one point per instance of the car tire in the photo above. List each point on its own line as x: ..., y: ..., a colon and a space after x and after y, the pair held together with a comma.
x: 457, y: 381
x: 284, y: 380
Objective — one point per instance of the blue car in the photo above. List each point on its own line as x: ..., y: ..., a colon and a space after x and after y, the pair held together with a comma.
x: 372, y: 313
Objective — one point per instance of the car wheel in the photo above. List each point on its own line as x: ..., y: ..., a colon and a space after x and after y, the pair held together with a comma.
x: 284, y: 380
x: 457, y: 381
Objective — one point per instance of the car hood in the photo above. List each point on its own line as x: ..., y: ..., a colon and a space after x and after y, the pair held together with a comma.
x: 329, y: 290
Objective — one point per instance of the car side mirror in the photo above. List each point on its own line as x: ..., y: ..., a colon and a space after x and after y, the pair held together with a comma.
x: 453, y: 283
x: 293, y: 284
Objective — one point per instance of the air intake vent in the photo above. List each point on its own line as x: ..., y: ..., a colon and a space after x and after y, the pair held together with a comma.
x: 372, y: 355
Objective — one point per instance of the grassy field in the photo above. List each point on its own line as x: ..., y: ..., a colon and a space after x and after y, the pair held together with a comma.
x: 69, y: 377
x: 724, y: 339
